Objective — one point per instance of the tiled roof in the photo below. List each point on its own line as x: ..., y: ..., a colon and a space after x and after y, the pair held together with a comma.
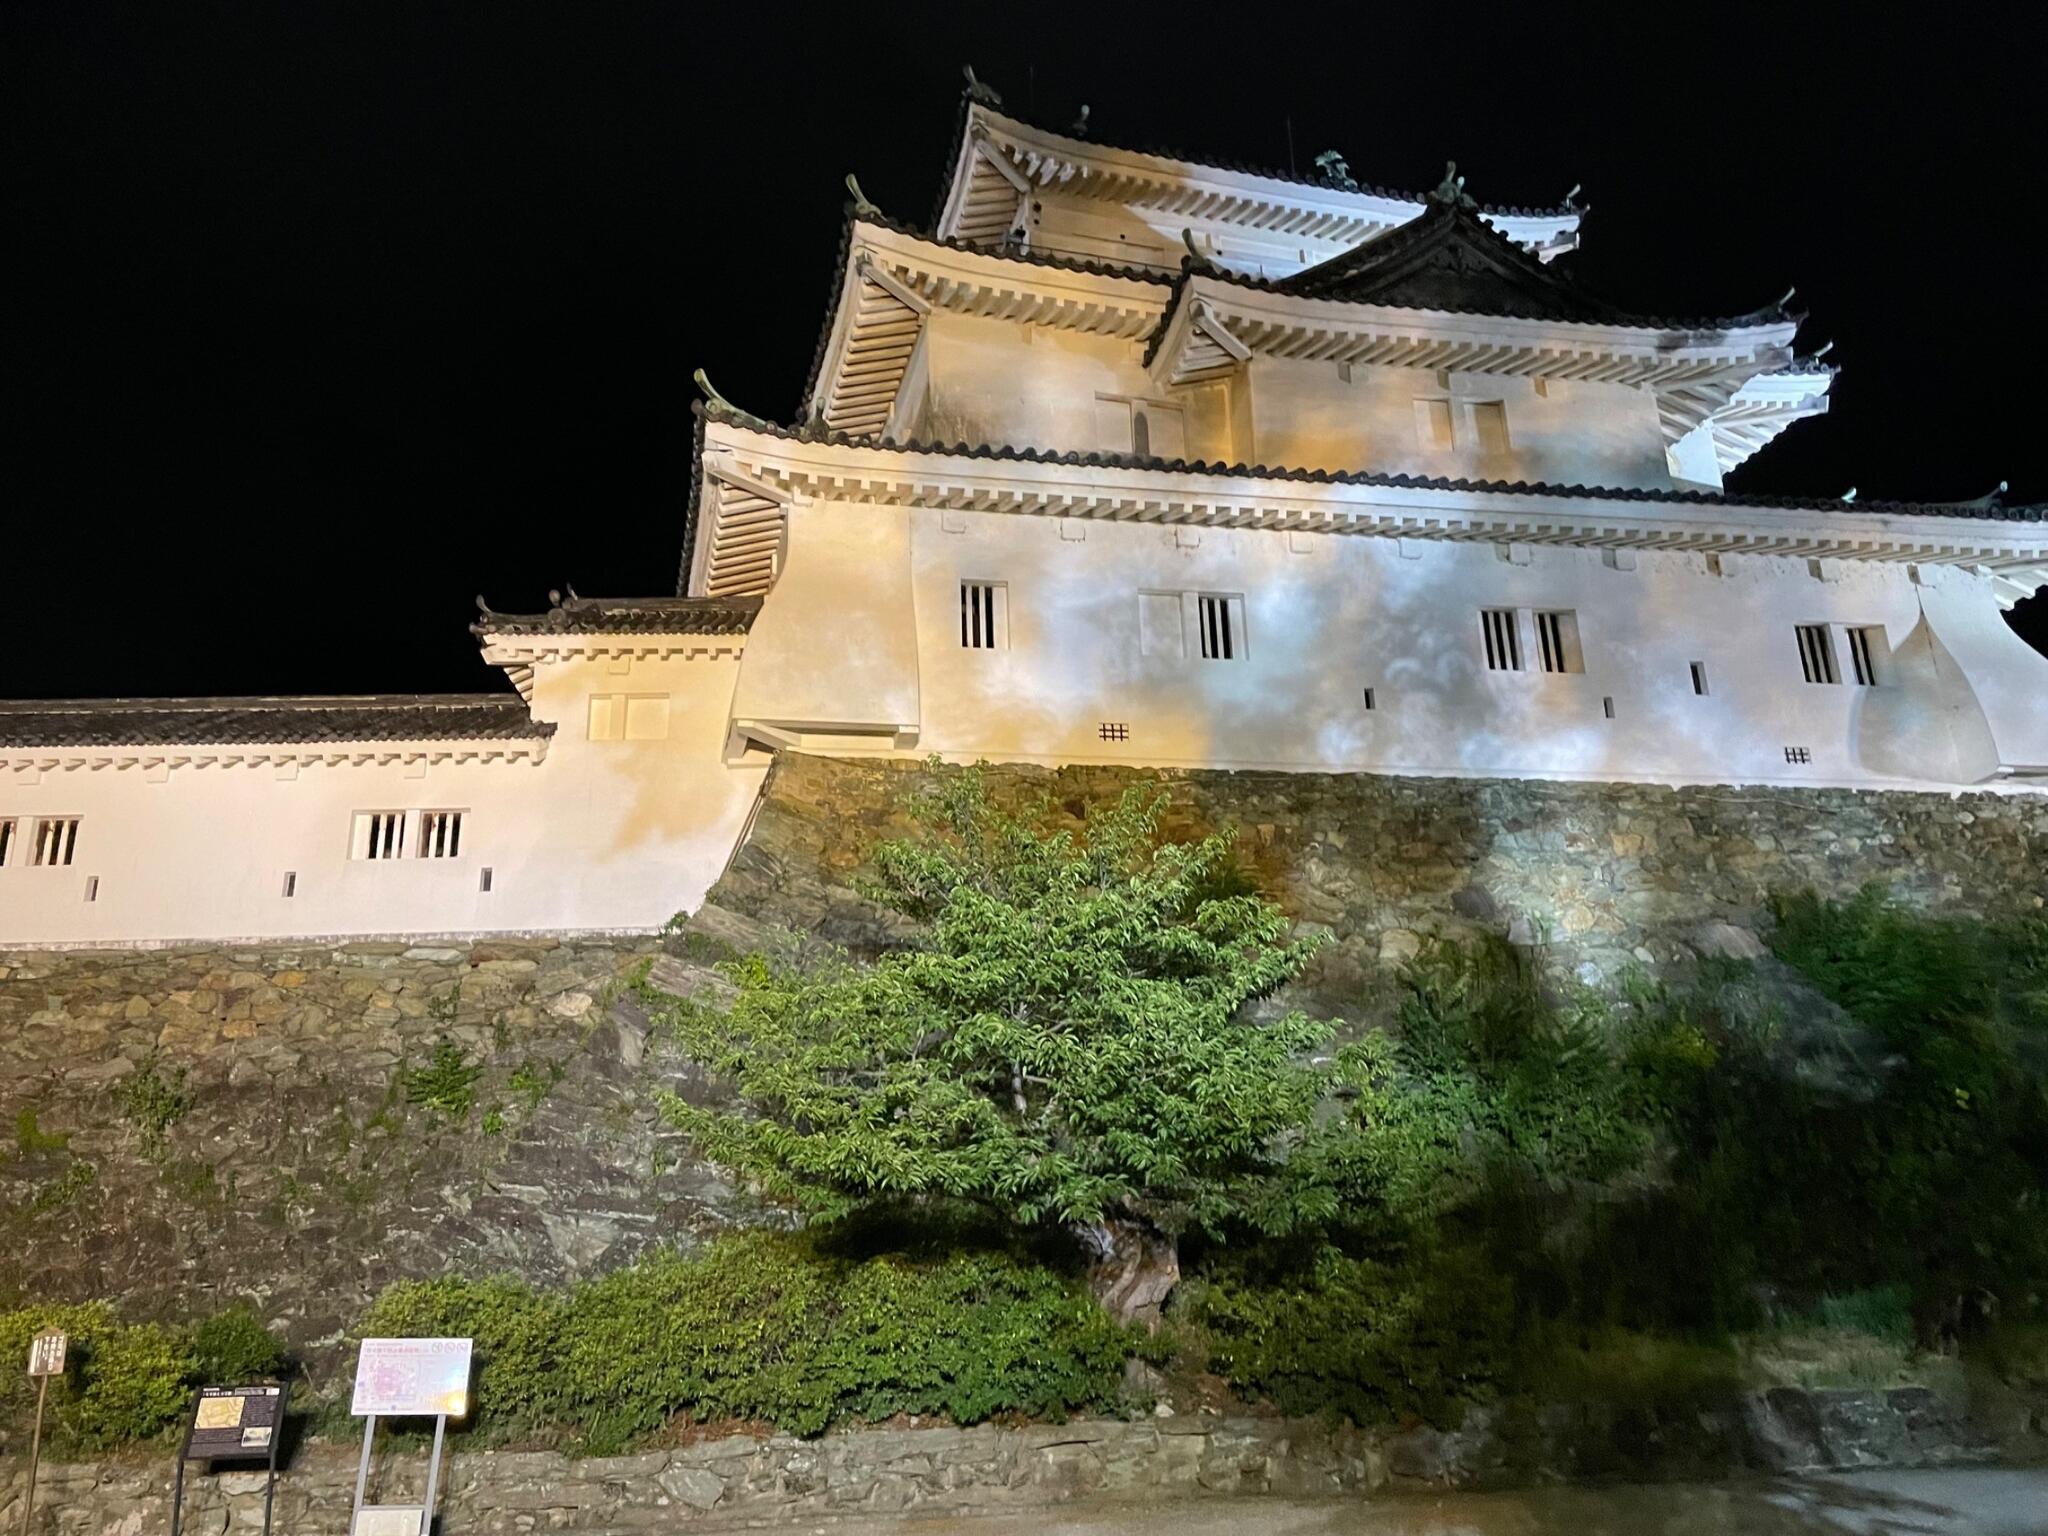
x: 267, y: 721
x: 575, y: 615
x: 1452, y: 260
x: 1992, y: 511
x: 856, y: 213
x: 1241, y: 167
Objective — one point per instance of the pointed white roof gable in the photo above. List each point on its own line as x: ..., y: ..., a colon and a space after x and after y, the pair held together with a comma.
x: 1253, y: 220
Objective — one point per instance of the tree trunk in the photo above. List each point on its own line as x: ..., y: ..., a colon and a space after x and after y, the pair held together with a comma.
x: 1133, y: 1267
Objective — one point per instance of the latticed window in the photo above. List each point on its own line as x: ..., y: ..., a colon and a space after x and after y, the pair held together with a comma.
x: 1503, y: 639
x: 1219, y: 642
x: 982, y: 615
x: 1557, y: 642
x: 377, y: 835
x: 1866, y: 644
x: 440, y: 834
x: 56, y: 840
x: 1113, y: 730
x: 1817, y: 654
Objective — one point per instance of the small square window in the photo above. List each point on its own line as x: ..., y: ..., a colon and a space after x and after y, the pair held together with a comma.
x: 1113, y: 730
x: 1798, y: 755
x: 1433, y: 424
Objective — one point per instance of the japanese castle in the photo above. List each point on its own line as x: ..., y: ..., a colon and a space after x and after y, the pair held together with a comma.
x: 1132, y: 459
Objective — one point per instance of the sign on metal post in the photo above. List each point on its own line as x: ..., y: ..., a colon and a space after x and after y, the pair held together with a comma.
x: 233, y: 1424
x: 406, y: 1378
x: 45, y: 1359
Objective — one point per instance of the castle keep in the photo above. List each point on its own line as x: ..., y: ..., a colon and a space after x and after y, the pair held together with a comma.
x: 1129, y: 460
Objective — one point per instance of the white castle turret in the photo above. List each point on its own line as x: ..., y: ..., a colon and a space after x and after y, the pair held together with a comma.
x: 1132, y: 459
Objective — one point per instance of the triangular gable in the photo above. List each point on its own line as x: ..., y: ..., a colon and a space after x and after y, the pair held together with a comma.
x: 1450, y: 259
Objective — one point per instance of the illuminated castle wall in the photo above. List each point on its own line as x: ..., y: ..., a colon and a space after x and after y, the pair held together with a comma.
x: 1136, y: 460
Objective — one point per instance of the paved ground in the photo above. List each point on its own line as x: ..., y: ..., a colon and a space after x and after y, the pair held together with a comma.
x: 1979, y: 1503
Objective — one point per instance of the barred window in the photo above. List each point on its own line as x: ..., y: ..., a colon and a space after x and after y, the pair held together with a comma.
x: 1503, y: 639
x: 440, y: 834
x: 377, y: 835
x: 1557, y: 642
x: 1866, y: 645
x: 1219, y: 640
x: 7, y: 828
x: 56, y: 840
x: 984, y: 615
x: 1113, y: 730
x: 1817, y: 654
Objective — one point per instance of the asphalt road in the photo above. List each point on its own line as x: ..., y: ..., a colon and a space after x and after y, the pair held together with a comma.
x: 2000, y: 1502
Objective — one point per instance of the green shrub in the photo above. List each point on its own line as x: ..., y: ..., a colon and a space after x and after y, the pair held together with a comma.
x: 233, y: 1347
x: 776, y: 1327
x: 123, y: 1382
x: 152, y: 1101
x: 1354, y: 1337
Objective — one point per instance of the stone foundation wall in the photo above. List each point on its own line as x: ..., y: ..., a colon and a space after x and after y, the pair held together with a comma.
x: 1607, y: 874
x: 299, y: 1174
x: 741, y: 1482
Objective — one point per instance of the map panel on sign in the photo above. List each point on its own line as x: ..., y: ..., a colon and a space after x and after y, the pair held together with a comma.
x: 412, y: 1377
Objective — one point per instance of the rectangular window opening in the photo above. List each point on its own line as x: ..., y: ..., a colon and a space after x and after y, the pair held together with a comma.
x: 378, y: 835
x: 1490, y: 425
x: 92, y: 887
x: 1557, y: 642
x: 1113, y: 730
x: 1817, y: 654
x: 1503, y: 639
x: 1866, y: 647
x: 1371, y: 699
x: 7, y: 829
x: 291, y: 883
x: 1798, y: 755
x: 1699, y: 678
x: 1433, y: 424
x: 1607, y: 707
x: 483, y: 880
x: 440, y: 834
x: 56, y: 841
x: 1220, y: 641
x: 981, y: 615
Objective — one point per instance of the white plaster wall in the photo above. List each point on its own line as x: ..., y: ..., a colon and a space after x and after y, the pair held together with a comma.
x: 601, y: 835
x: 1328, y: 617
x: 996, y: 381
x: 1305, y: 415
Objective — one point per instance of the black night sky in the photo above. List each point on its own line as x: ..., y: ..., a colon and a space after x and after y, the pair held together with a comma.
x: 324, y: 318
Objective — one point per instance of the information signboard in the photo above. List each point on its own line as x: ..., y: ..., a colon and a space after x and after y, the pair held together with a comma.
x: 46, y: 1353
x: 402, y: 1378
x: 230, y: 1423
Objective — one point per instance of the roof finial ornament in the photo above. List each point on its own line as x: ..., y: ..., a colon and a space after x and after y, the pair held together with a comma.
x: 481, y: 605
x: 861, y: 204
x: 1822, y: 351
x: 1788, y: 296
x: 554, y: 598
x: 1198, y: 259
x: 1849, y: 494
x: 717, y: 402
x: 978, y: 90
x: 1080, y: 127
x: 1571, y: 198
x: 1451, y: 190
x: 1335, y: 170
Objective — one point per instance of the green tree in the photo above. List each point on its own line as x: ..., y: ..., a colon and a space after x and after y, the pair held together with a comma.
x: 1070, y: 1043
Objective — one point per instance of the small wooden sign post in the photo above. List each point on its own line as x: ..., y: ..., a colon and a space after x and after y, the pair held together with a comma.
x: 45, y: 1359
x: 232, y: 1424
